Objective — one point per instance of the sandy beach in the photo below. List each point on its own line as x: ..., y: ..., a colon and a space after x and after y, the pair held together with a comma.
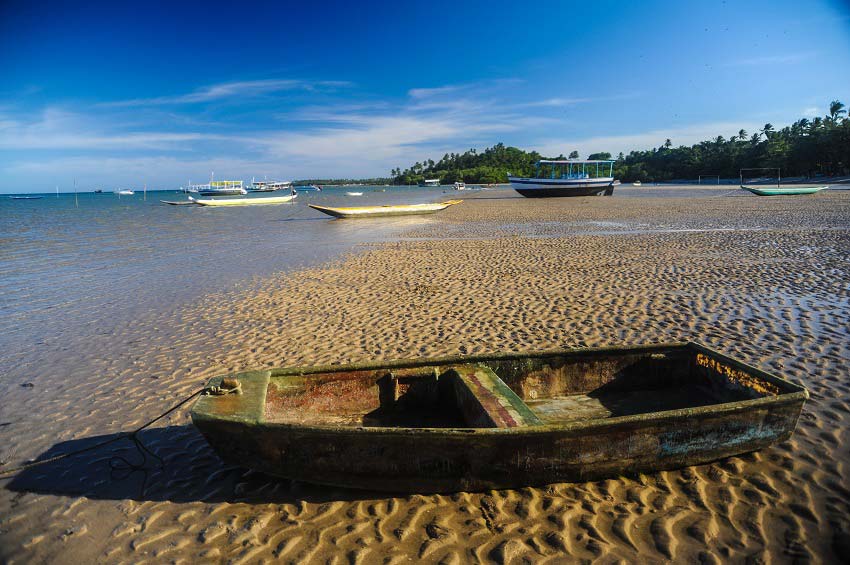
x: 764, y: 280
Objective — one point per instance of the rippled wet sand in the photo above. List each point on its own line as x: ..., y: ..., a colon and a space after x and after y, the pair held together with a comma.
x: 762, y: 279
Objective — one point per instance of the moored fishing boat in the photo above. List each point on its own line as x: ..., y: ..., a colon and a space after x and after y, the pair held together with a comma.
x: 497, y: 421
x: 771, y: 184
x: 787, y: 190
x: 570, y: 177
x: 386, y: 210
x: 269, y: 185
x: 265, y: 200
x: 219, y: 188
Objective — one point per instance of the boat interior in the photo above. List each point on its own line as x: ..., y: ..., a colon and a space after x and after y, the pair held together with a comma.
x: 508, y: 392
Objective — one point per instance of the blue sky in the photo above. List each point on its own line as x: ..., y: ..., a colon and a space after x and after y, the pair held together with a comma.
x: 123, y: 93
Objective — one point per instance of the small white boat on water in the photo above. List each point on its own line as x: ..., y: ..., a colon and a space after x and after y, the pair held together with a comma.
x: 387, y: 210
x: 636, y: 183
x: 460, y: 186
x: 569, y: 177
x: 125, y: 192
x: 354, y: 193
x: 266, y: 200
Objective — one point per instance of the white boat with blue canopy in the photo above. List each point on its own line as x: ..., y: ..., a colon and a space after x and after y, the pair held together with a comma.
x: 568, y: 177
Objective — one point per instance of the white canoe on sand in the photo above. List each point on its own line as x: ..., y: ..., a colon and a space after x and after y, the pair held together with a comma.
x: 388, y: 210
x: 243, y: 201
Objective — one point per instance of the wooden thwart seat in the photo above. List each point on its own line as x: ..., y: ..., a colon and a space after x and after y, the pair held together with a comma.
x: 486, y: 401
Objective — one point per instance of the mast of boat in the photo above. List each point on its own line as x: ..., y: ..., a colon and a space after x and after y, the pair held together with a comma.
x: 76, y: 203
x: 57, y: 191
x: 146, y: 192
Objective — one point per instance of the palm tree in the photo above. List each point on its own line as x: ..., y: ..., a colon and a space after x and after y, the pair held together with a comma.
x: 836, y: 108
x: 767, y: 130
x: 668, y: 144
x: 742, y: 134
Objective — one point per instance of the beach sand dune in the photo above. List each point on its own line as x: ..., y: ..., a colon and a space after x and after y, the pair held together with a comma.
x: 763, y: 280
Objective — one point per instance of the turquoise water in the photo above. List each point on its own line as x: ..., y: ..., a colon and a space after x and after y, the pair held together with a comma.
x: 78, y: 268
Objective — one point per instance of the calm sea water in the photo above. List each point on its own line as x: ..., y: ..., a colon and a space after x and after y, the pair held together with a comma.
x: 71, y: 269
x: 78, y: 268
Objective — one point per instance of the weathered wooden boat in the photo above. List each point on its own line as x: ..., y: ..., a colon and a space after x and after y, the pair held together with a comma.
x: 498, y: 421
x: 387, y: 210
x: 265, y: 200
x: 786, y: 190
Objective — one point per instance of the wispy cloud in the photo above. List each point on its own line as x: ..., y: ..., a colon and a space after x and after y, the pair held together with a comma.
x: 785, y: 59
x: 688, y: 135
x: 59, y: 129
x: 566, y: 102
x: 420, y: 93
x: 227, y: 90
x: 811, y: 112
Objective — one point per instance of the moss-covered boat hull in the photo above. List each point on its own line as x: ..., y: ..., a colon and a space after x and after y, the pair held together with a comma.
x: 245, y: 430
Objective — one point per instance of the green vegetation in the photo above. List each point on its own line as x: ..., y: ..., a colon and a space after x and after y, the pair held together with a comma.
x: 805, y: 148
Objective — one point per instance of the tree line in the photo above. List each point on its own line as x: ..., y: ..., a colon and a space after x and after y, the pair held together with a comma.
x: 820, y: 146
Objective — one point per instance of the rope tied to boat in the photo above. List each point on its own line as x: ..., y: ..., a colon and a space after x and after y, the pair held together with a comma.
x: 117, y: 462
x: 229, y: 385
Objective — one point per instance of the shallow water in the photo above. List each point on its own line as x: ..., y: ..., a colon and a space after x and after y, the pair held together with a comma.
x: 72, y: 267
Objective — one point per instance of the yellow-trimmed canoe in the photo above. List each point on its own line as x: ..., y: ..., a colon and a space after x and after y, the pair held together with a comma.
x: 387, y: 210
x: 499, y: 420
x: 243, y: 201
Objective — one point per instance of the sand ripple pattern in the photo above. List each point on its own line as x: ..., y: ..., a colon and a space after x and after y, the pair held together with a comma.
x: 495, y: 274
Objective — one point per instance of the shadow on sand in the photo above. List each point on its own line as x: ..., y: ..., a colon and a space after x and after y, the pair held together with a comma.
x: 189, y: 471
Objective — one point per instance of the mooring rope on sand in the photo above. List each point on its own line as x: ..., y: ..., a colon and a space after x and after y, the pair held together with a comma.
x: 117, y: 462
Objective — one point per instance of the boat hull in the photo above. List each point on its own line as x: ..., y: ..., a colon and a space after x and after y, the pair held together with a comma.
x: 549, y: 188
x: 430, y: 460
x: 223, y: 192
x: 383, y: 211
x: 265, y: 201
x: 783, y: 191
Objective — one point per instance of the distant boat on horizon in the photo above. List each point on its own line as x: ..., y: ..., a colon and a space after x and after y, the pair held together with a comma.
x: 125, y: 192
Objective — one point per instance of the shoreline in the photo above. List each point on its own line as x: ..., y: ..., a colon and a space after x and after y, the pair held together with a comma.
x: 524, y: 277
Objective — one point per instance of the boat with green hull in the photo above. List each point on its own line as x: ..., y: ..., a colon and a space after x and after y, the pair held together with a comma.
x: 787, y: 190
x: 497, y: 421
